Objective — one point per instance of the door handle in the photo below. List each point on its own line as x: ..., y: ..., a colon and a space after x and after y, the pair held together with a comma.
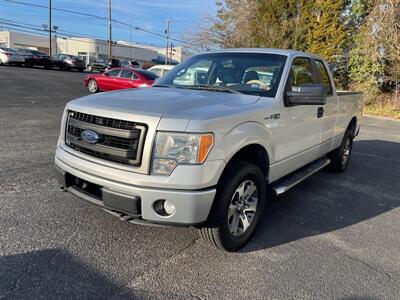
x: 320, y: 112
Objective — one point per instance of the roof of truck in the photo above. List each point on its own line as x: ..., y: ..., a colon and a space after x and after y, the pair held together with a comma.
x: 286, y: 52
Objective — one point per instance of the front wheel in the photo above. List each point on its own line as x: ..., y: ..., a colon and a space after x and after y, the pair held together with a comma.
x: 237, y: 208
x: 92, y: 86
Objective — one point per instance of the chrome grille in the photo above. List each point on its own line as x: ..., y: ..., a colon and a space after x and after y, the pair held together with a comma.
x: 119, y: 141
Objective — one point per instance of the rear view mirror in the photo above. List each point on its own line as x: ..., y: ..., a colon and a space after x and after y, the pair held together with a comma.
x: 307, y: 94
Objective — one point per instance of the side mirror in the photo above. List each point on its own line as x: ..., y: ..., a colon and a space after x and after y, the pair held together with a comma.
x: 308, y: 94
x: 106, y: 74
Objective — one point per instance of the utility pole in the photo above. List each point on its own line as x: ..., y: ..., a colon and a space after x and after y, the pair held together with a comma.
x: 166, y: 38
x: 131, y: 42
x: 109, y: 31
x: 50, y: 28
x: 55, y: 28
x: 171, y: 53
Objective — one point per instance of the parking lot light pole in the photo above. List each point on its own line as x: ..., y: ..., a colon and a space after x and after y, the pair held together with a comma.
x: 109, y: 31
x: 166, y: 39
x: 50, y: 28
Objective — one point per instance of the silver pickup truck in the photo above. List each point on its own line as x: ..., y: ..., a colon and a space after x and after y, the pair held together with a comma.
x: 208, y: 142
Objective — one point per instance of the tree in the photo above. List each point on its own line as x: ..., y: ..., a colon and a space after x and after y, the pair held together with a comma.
x: 376, y: 55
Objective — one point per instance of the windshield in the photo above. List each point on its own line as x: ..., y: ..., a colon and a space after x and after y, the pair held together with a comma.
x: 7, y: 49
x: 247, y: 73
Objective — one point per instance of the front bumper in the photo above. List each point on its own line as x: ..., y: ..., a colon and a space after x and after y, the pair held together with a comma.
x: 192, y: 206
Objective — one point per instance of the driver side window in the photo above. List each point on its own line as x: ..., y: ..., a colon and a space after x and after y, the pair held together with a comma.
x: 301, y: 72
x: 196, y: 74
x: 113, y: 73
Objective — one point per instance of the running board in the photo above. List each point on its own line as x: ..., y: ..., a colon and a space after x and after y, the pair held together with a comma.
x: 293, y: 179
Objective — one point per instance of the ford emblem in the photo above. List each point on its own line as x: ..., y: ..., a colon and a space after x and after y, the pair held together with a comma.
x: 90, y: 136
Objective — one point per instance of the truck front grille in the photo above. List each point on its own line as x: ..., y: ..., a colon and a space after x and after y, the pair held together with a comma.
x: 119, y: 140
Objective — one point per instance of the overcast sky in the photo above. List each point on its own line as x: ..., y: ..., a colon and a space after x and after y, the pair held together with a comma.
x: 148, y: 14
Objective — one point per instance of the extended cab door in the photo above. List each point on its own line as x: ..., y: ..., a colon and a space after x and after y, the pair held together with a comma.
x: 329, y: 110
x: 298, y: 136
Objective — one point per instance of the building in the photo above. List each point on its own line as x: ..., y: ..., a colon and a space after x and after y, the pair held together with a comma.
x: 87, y: 48
x: 175, y: 57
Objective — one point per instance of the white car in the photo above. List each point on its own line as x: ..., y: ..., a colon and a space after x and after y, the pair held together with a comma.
x: 161, y: 70
x: 10, y: 56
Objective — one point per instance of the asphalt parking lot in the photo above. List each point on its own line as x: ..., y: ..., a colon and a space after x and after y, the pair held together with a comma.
x: 334, y: 236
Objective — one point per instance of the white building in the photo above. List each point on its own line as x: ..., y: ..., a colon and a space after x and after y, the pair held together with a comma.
x: 177, y: 54
x: 87, y: 48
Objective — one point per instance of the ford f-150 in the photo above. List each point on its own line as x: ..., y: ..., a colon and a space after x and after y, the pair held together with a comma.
x: 208, y: 142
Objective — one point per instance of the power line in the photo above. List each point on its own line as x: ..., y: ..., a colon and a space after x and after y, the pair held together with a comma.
x: 57, y: 9
x: 35, y: 29
x: 98, y: 17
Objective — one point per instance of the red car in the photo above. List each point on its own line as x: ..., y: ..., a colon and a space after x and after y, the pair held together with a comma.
x: 119, y: 78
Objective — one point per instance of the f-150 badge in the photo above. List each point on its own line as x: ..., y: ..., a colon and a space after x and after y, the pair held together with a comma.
x: 273, y: 117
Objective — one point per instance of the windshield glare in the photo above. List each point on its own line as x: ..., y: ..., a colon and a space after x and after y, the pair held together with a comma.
x: 247, y: 73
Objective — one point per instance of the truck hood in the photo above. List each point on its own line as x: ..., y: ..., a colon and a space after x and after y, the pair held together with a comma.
x: 166, y: 102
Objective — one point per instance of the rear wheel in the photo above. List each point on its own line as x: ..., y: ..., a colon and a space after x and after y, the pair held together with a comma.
x: 238, y: 205
x: 92, y: 86
x: 81, y: 70
x: 341, y: 156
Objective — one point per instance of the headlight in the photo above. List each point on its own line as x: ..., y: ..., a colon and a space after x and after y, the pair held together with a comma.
x: 172, y: 149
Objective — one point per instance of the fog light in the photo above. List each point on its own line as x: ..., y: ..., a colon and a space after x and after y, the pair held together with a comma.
x: 164, y: 208
x: 169, y: 207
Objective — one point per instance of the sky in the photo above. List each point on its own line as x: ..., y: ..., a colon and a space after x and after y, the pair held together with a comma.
x: 185, y: 16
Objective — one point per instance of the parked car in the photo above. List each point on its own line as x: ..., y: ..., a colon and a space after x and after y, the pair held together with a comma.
x: 68, y: 62
x: 10, y: 56
x: 161, y: 70
x: 119, y: 78
x: 36, y: 58
x: 102, y: 65
x: 130, y: 64
x: 205, y: 155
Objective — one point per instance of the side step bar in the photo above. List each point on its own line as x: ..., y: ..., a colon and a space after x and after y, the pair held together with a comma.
x: 293, y: 179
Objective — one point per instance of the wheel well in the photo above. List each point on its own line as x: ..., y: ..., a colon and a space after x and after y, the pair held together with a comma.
x: 353, y: 125
x: 253, y: 153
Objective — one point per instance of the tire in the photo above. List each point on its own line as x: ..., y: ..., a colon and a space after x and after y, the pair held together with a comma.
x: 225, y: 227
x: 81, y: 70
x: 92, y: 86
x: 340, y: 157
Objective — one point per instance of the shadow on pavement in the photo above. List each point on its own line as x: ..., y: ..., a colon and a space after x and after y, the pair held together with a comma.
x: 329, y: 201
x: 53, y: 274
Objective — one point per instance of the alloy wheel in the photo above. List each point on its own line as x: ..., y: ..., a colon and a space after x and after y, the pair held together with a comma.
x: 242, y: 208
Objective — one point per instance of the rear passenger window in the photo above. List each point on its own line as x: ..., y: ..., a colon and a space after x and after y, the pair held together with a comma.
x: 323, y: 75
x: 301, y: 72
x: 125, y: 74
x: 113, y: 73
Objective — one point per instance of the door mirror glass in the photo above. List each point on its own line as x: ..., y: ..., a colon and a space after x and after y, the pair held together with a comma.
x: 307, y: 94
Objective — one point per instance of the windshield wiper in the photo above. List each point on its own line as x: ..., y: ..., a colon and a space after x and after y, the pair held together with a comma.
x: 212, y: 88
x: 164, y: 85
